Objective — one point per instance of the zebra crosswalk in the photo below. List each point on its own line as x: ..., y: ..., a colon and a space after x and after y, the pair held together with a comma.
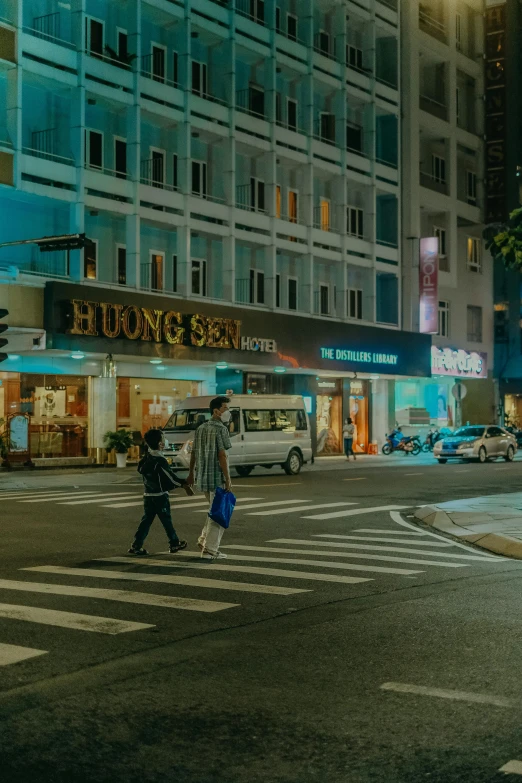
x: 273, y: 571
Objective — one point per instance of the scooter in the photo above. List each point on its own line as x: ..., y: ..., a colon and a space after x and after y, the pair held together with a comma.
x: 396, y: 441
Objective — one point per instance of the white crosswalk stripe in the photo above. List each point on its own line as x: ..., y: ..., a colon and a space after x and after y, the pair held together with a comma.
x: 78, y: 496
x: 35, y: 494
x: 390, y: 532
x: 315, y: 563
x: 353, y: 555
x: 189, y: 581
x: 271, y: 503
x: 123, y: 596
x: 335, y: 544
x: 84, y: 501
x: 275, y: 572
x: 296, y: 508
x: 196, y: 500
x: 382, y: 540
x: 79, y: 622
x: 337, y: 514
x: 12, y: 653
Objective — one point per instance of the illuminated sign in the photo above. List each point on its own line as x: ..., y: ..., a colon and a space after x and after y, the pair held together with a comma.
x: 93, y: 319
x: 428, y: 285
x: 366, y: 357
x: 457, y: 362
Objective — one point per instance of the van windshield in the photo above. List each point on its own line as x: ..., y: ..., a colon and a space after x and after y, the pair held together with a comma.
x: 187, y: 419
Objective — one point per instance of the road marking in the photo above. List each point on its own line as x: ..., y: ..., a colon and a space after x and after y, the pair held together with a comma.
x: 78, y: 622
x: 315, y: 563
x: 247, y: 570
x: 27, y: 493
x: 123, y: 596
x: 464, y: 471
x: 383, y: 540
x: 303, y: 542
x: 11, y: 653
x: 297, y: 508
x: 189, y: 581
x: 400, y: 521
x: 499, y: 468
x: 362, y: 478
x: 413, y: 474
x: 441, y: 693
x: 197, y: 500
x: 272, y: 503
x: 52, y: 499
x: 276, y: 484
x: 353, y: 555
x: 121, y: 496
x: 389, y: 532
x: 336, y: 514
x: 512, y: 768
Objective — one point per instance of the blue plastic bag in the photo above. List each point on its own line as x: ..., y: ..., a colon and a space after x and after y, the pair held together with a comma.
x: 222, y: 507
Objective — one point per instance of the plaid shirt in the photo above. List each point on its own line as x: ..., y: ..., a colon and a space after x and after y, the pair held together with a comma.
x: 211, y: 438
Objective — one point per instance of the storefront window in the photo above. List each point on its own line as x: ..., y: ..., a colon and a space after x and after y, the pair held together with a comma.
x: 58, y: 407
x: 359, y: 414
x: 143, y: 403
x: 425, y: 402
x: 329, y: 424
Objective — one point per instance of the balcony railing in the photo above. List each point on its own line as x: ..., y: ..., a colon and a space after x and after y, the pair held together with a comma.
x: 49, y: 28
x: 431, y: 25
x: 325, y: 131
x: 108, y: 172
x: 324, y: 305
x: 245, y: 199
x: 153, y: 66
x: 151, y: 277
x: 245, y: 290
x: 428, y: 180
x: 251, y: 102
x: 434, y: 106
x: 209, y: 97
x: 152, y: 172
x: 5, y: 139
x: 323, y: 218
x: 44, y: 144
x: 324, y: 45
x: 251, y: 10
x: 209, y: 197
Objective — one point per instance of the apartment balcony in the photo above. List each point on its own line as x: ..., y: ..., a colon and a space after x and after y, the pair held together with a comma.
x: 428, y: 180
x: 324, y: 129
x: 249, y: 291
x: 434, y: 106
x: 251, y: 101
x: 323, y: 219
x: 324, y: 303
x: 431, y: 25
x: 251, y: 9
x: 52, y: 28
x: 152, y: 66
x: 250, y: 199
x: 152, y: 276
x: 325, y: 45
x: 152, y: 172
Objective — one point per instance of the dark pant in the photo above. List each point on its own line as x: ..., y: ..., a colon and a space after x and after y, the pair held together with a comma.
x: 348, y: 444
x: 155, y: 506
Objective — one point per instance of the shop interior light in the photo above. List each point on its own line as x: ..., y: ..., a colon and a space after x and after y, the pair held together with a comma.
x: 374, y: 377
x: 221, y: 366
x: 155, y: 361
x: 13, y: 356
x: 77, y: 355
x: 279, y: 369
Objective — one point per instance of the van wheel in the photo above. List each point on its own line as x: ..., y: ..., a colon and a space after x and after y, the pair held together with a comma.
x: 244, y: 470
x: 292, y: 466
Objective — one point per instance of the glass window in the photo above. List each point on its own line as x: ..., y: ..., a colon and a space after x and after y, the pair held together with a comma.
x: 469, y: 432
x: 289, y: 420
x: 494, y: 432
x: 387, y: 286
x: 187, y: 420
x: 258, y: 421
x: 234, y: 426
x: 474, y: 324
x: 444, y: 314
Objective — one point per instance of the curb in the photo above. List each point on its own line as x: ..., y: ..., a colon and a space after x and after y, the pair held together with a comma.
x: 496, y: 542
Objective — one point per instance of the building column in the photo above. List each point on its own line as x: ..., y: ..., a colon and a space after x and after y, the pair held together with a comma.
x: 102, y: 413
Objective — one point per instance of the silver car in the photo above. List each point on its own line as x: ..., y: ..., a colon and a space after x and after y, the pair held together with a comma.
x: 477, y: 441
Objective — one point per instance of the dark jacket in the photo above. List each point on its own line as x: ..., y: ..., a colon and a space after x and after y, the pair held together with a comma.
x: 157, y: 474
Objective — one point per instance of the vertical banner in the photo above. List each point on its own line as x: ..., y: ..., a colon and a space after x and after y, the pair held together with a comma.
x: 428, y: 285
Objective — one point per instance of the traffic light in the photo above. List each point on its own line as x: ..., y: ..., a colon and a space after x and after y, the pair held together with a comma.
x: 3, y: 328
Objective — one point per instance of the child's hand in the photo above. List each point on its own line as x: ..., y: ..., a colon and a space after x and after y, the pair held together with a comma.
x: 188, y: 489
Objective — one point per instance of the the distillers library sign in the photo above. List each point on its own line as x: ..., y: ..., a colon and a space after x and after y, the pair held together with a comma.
x: 138, y: 324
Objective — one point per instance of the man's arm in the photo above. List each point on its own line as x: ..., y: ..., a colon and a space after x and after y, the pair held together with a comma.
x: 190, y: 477
x: 223, y: 464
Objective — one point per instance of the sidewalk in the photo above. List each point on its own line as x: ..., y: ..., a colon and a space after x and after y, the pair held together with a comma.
x: 493, y: 522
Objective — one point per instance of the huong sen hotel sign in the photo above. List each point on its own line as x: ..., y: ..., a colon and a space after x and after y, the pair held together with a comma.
x: 459, y: 363
x: 94, y: 319
x: 365, y: 357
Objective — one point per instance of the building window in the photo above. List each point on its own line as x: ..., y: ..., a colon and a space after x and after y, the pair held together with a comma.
x: 292, y: 293
x: 175, y: 170
x: 156, y: 166
x: 355, y: 57
x: 90, y: 259
x: 175, y: 72
x: 156, y: 271
x: 199, y: 278
x: 257, y: 287
x: 324, y: 299
x: 278, y: 201
x: 199, y: 78
x: 440, y: 233
x: 292, y: 206
x: 158, y: 62
x: 354, y: 222
x: 199, y: 178
x: 354, y: 137
x: 94, y: 34
x: 291, y: 27
x: 278, y: 290
x: 327, y: 126
x: 94, y: 149
x: 355, y: 303
x: 438, y: 169
x: 257, y: 194
x: 278, y: 19
x: 122, y: 45
x: 120, y: 158
x: 471, y: 187
x: 474, y: 254
x: 291, y: 113
x: 444, y: 314
x: 121, y: 264
x: 174, y: 273
x: 474, y: 324
x: 458, y: 31
x: 324, y: 214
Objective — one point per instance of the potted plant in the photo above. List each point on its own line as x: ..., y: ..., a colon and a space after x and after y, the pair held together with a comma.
x: 120, y: 441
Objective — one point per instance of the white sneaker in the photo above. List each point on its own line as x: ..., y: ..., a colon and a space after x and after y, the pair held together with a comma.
x: 220, y: 556
x: 208, y: 556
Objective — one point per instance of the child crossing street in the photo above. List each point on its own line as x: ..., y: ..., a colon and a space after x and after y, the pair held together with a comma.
x: 158, y: 479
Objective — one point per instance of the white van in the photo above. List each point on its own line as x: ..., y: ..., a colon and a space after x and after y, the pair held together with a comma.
x: 264, y: 429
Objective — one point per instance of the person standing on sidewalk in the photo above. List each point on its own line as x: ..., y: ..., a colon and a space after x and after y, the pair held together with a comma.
x: 158, y: 479
x: 348, y: 433
x: 210, y: 461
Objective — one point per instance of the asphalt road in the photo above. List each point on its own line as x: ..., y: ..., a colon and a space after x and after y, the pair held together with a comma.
x: 339, y: 642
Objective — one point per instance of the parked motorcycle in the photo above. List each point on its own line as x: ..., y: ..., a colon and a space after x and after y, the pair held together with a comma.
x: 396, y: 441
